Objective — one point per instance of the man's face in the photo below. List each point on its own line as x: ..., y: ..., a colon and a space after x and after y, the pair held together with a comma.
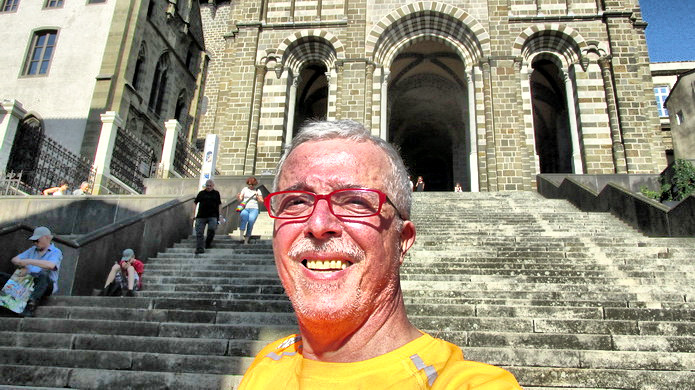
x: 371, y: 247
x: 209, y: 186
x: 43, y: 242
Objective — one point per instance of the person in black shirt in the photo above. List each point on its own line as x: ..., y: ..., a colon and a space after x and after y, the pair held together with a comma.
x: 208, y: 213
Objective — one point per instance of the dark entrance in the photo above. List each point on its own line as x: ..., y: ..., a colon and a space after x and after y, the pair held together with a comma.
x: 550, y: 118
x: 312, y: 95
x: 428, y: 116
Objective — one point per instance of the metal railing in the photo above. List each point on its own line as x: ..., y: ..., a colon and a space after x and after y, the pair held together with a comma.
x: 38, y: 162
x: 11, y: 184
x: 187, y: 159
x: 132, y: 160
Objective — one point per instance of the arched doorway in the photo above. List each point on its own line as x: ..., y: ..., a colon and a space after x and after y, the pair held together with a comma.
x: 428, y: 114
x: 312, y: 95
x: 24, y: 156
x: 550, y: 118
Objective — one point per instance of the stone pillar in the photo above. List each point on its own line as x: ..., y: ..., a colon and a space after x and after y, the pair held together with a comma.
x: 490, y: 153
x: 291, y: 107
x: 336, y: 92
x: 527, y: 102
x: 526, y: 153
x: 250, y: 159
x: 110, y: 122
x: 368, y: 95
x: 169, y: 150
x: 331, y: 84
x: 383, y: 130
x: 472, y: 132
x: 577, y: 166
x: 10, y: 117
x: 613, y: 116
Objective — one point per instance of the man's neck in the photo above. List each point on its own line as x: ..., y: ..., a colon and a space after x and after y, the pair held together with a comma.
x: 381, y: 333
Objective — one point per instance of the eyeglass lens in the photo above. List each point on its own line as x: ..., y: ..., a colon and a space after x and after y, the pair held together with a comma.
x: 344, y: 203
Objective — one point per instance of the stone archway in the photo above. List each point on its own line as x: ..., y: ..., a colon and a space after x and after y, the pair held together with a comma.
x: 428, y: 114
x: 312, y: 95
x: 550, y: 118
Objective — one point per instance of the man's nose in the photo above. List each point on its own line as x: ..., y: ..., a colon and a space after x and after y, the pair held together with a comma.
x: 322, y: 223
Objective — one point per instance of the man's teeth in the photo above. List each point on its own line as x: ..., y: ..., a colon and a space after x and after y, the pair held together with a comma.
x: 327, y: 265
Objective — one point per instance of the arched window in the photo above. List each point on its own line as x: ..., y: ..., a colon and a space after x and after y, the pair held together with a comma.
x: 139, y: 67
x: 40, y: 52
x: 24, y: 156
x: 159, y: 85
x: 192, y: 59
x: 180, y: 113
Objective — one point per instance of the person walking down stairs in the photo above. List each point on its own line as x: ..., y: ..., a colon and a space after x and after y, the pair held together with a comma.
x: 208, y: 201
x: 249, y: 197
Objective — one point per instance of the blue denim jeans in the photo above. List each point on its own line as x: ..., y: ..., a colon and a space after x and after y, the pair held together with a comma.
x: 200, y: 230
x: 248, y: 218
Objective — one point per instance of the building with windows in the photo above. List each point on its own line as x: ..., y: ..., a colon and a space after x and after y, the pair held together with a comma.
x: 67, y: 62
x: 681, y: 110
x: 488, y: 93
x: 665, y: 75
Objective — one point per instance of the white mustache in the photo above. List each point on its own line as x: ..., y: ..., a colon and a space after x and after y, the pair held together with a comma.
x: 301, y: 249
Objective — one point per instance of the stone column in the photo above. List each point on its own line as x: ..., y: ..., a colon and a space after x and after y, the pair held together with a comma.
x: 169, y: 150
x: 252, y: 144
x: 10, y: 117
x: 291, y: 106
x: 472, y: 132
x: 368, y: 82
x: 337, y: 93
x: 110, y: 122
x: 330, y: 109
x: 528, y: 176
x: 490, y: 154
x: 383, y: 130
x: 613, y: 116
x: 577, y: 166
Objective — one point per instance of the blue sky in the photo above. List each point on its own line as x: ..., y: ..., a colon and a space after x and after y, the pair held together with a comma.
x: 671, y: 30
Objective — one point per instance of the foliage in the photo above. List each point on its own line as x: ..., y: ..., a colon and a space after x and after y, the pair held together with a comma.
x: 656, y: 195
x: 681, y: 183
x: 677, y: 183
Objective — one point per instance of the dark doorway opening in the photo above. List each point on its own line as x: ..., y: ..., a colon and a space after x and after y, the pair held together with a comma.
x: 428, y: 115
x: 312, y: 95
x: 550, y: 118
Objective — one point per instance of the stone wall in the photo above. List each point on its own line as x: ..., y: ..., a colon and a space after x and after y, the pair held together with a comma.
x: 598, y: 47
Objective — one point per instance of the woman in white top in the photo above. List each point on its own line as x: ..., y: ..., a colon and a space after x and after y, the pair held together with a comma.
x: 57, y: 191
x: 249, y: 214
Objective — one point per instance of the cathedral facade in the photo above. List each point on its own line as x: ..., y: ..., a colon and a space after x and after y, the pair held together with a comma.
x: 486, y: 93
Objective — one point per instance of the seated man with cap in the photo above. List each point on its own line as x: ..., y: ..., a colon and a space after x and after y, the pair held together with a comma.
x: 41, y: 261
x: 125, y: 273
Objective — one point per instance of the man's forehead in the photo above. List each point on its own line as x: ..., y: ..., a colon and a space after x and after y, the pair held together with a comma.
x: 337, y: 163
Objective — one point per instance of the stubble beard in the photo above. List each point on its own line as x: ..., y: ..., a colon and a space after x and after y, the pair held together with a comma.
x: 314, y: 301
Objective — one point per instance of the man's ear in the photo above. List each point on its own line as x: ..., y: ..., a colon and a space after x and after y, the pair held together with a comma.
x: 407, y: 237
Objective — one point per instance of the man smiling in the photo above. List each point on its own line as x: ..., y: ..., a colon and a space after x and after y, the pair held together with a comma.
x: 342, y: 229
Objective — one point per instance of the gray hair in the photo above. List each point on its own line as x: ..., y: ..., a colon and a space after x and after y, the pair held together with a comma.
x: 396, y: 181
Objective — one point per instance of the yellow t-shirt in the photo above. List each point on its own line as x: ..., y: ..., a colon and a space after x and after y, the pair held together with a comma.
x: 424, y: 363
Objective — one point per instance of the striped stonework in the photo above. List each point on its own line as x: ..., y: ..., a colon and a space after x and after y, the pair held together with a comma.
x: 454, y: 84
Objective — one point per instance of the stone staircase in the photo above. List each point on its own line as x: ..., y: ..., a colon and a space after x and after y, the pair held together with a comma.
x: 563, y: 299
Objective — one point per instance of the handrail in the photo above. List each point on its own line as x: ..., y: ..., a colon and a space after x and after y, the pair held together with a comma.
x: 644, y: 214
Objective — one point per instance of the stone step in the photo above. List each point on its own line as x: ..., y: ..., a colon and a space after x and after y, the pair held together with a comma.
x: 596, y: 378
x: 81, y: 378
x: 562, y: 298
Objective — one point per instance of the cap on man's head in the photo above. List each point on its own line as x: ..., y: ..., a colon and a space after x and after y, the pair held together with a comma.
x: 40, y: 232
x: 127, y: 254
